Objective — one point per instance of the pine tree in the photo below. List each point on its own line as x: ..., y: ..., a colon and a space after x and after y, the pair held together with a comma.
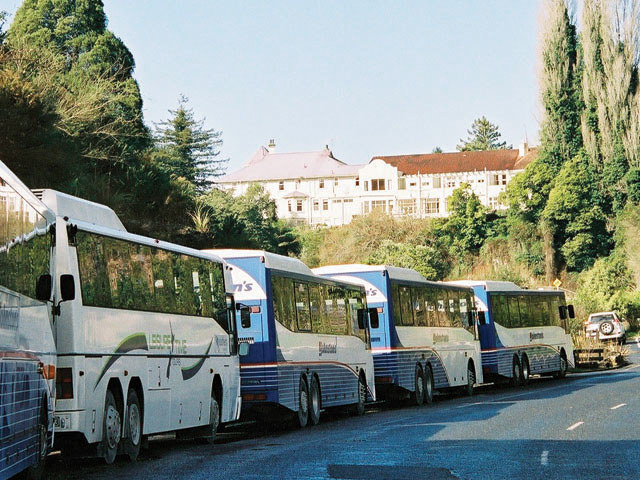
x: 188, y: 150
x: 483, y: 135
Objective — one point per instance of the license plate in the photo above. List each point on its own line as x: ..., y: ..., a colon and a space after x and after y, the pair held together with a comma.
x: 62, y: 422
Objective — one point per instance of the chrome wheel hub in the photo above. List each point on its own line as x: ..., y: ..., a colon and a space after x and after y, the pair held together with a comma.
x: 112, y: 424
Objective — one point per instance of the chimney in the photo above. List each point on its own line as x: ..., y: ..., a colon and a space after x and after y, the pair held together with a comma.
x: 523, y: 149
x: 272, y: 146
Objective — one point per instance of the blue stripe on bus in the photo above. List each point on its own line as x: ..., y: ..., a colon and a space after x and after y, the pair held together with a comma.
x: 401, y: 366
x: 21, y: 391
x: 542, y: 359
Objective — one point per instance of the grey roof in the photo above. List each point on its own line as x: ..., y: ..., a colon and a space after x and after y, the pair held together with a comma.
x: 264, y: 165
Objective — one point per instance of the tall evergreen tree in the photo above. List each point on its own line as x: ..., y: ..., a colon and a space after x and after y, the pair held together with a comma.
x: 3, y: 18
x: 483, y: 135
x: 189, y: 150
x: 610, y: 90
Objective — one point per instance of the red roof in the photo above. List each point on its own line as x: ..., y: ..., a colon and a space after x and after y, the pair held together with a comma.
x: 454, y: 162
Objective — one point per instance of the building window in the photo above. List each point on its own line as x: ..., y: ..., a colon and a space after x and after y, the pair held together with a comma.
x: 281, y: 185
x: 494, y: 203
x: 402, y: 183
x: 503, y: 179
x: 481, y: 180
x: 316, y: 205
x: 365, y: 207
x: 407, y: 207
x: 494, y: 179
x: 451, y: 184
x: 335, y: 182
x: 357, y: 181
x: 381, y: 206
x: 431, y: 206
x: 322, y: 183
x: 325, y: 205
x: 289, y: 205
x: 437, y: 182
x: 298, y: 205
x: 377, y: 184
x: 413, y: 184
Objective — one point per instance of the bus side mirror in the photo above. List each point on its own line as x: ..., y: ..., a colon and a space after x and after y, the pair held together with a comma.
x: 563, y: 312
x: 482, y: 318
x: 374, y: 320
x: 67, y: 288
x: 361, y: 320
x: 243, y: 349
x: 43, y: 287
x: 245, y: 315
x: 572, y: 312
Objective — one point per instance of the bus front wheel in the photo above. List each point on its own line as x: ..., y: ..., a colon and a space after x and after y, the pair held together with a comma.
x: 471, y: 380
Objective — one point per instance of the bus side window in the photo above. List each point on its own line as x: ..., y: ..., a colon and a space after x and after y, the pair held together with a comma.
x: 303, y: 313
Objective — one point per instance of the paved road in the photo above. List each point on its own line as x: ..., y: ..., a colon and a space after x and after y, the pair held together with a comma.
x: 586, y: 426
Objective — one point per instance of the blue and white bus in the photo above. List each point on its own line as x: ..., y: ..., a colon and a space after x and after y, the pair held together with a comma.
x: 522, y: 332
x: 423, y: 337
x: 27, y: 348
x: 308, y: 336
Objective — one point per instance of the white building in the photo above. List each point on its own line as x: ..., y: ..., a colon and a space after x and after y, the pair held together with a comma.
x: 318, y: 189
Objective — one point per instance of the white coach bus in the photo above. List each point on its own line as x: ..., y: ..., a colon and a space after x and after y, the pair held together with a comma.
x: 149, y: 344
x: 424, y: 335
x: 308, y: 336
x: 522, y: 332
x: 27, y: 347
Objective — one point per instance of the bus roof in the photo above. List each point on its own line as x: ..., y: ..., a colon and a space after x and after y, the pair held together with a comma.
x: 396, y: 273
x: 79, y: 209
x: 271, y: 260
x: 9, y: 178
x: 495, y: 286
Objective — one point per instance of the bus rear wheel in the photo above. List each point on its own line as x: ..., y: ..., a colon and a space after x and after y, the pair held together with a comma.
x: 133, y: 439
x: 111, y: 429
x: 314, y: 401
x: 303, y: 403
x: 214, y: 420
x: 359, y: 407
x: 516, y: 372
x: 525, y: 371
x: 418, y: 395
x: 564, y: 366
x: 471, y: 380
x: 428, y: 385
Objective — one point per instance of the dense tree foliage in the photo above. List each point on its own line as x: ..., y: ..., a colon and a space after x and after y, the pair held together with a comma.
x: 483, y: 135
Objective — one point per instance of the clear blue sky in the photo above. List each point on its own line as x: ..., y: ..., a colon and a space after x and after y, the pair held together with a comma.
x: 366, y: 77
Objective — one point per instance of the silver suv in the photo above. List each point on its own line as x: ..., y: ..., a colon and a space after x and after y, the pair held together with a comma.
x: 605, y: 326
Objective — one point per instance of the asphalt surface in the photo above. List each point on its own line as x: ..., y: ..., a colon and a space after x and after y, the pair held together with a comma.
x: 586, y: 426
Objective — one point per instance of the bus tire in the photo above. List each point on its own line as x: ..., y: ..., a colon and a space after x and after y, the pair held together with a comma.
x: 314, y: 401
x: 359, y: 407
x: 516, y: 372
x: 303, y: 403
x: 428, y: 385
x: 564, y: 365
x: 214, y: 420
x: 418, y: 394
x: 36, y: 471
x: 524, y: 380
x: 471, y: 380
x: 111, y: 429
x: 133, y: 440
